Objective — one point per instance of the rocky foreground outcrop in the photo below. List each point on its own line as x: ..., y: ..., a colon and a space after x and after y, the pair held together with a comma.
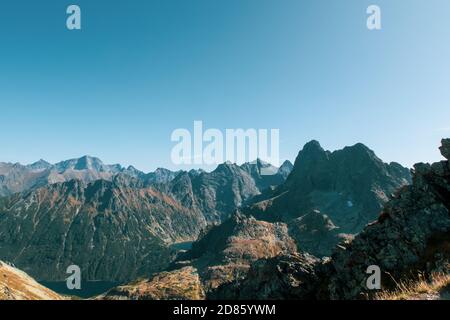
x: 284, y: 277
x: 411, y: 235
x: 17, y: 285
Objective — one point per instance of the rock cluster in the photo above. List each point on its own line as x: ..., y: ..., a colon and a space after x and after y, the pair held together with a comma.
x: 284, y: 277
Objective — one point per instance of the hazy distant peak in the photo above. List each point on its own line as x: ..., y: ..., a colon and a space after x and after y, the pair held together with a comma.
x: 40, y: 165
x: 285, y: 169
x: 85, y: 163
x: 287, y: 164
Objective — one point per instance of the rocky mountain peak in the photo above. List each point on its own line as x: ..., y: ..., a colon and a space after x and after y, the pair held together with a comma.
x: 131, y: 171
x: 285, y: 169
x: 88, y: 163
x: 312, y: 146
x: 311, y: 149
x: 226, y: 167
x: 350, y: 186
x: 312, y: 155
x: 40, y: 165
x: 83, y: 163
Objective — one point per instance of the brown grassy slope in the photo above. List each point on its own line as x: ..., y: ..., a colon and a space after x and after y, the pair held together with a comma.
x: 17, y: 285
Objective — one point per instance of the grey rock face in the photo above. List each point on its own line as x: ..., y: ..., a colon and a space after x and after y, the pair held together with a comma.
x: 216, y: 194
x: 286, y: 169
x: 265, y: 175
x: 16, y: 178
x: 40, y: 165
x: 83, y: 163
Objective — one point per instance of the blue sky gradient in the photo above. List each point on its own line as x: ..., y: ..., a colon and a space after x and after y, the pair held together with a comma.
x: 140, y: 69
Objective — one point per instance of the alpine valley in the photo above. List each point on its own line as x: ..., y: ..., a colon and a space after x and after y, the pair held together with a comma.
x: 309, y: 230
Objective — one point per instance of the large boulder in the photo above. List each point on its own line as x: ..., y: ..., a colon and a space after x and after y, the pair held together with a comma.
x: 445, y: 148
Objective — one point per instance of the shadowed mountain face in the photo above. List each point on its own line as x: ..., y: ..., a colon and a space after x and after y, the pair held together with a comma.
x: 114, y: 230
x: 315, y: 233
x: 350, y: 186
x: 217, y: 194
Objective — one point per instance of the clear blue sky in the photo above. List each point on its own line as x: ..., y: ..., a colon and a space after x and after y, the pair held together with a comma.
x: 140, y: 69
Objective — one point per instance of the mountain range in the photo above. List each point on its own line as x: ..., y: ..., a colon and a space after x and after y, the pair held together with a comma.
x: 85, y: 212
x: 16, y: 178
x: 299, y: 233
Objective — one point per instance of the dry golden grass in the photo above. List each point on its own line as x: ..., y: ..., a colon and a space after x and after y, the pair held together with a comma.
x: 422, y: 289
x: 17, y: 285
